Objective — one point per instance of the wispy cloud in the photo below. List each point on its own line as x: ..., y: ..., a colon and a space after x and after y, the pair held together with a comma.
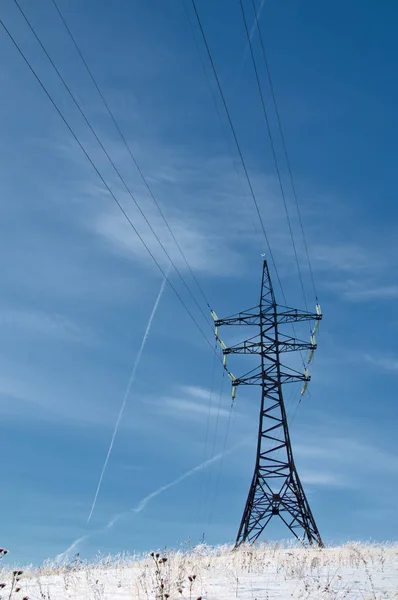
x: 385, y: 363
x: 14, y: 388
x: 195, y: 391
x: 203, y: 251
x: 377, y: 514
x: 46, y: 324
x: 193, y: 402
x: 343, y: 256
x: 189, y: 409
x: 38, y: 393
x: 322, y: 478
x: 340, y: 453
x: 206, y: 204
x: 210, y: 212
x: 358, y: 273
x: 359, y: 287
x: 376, y: 292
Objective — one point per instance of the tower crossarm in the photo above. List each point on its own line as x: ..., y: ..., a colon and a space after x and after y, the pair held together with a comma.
x: 291, y: 345
x: 292, y: 315
x: 259, y: 376
x: 244, y: 318
x: 257, y: 346
x: 256, y: 317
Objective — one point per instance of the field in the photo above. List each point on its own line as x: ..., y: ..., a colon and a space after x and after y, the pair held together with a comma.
x: 263, y: 572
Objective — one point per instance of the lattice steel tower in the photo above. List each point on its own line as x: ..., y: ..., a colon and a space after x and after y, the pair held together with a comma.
x: 276, y: 489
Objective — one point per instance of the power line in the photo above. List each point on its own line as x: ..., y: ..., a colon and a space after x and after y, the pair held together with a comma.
x: 20, y: 51
x: 235, y: 139
x: 215, y: 436
x: 277, y: 171
x: 240, y: 155
x: 77, y: 104
x: 126, y: 144
x: 227, y: 139
x: 218, y: 472
x: 283, y: 143
x: 203, y: 496
x: 273, y: 152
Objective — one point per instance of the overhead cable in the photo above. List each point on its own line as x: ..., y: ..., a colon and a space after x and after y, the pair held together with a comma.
x: 253, y: 195
x: 75, y: 137
x: 78, y: 106
x: 273, y: 152
x: 128, y: 148
x: 223, y: 128
x: 279, y: 121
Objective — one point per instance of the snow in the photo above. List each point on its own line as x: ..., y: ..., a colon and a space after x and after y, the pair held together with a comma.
x: 263, y: 572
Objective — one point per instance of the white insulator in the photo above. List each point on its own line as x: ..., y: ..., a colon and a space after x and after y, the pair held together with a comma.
x: 304, y: 388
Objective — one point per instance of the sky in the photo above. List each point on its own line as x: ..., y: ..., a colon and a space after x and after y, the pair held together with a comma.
x: 78, y: 286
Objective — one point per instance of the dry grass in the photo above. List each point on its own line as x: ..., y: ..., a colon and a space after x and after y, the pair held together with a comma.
x: 262, y: 572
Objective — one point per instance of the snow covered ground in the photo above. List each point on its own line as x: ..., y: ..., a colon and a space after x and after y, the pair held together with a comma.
x: 264, y: 572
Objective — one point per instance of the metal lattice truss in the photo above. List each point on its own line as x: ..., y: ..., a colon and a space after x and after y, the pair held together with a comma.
x: 276, y: 489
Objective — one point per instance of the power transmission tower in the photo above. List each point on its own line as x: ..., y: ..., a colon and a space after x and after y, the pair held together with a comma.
x: 276, y: 489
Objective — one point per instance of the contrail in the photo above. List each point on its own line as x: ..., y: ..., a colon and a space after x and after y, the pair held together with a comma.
x: 254, y: 26
x: 247, y: 47
x: 144, y: 502
x: 127, y: 392
x: 60, y: 557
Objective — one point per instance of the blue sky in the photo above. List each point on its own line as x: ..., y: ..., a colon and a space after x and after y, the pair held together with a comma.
x: 78, y: 287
